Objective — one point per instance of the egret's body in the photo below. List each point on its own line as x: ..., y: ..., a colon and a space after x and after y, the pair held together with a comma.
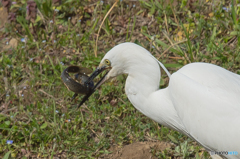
x: 202, y: 100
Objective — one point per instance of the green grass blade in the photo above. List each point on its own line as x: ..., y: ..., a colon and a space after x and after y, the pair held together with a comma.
x: 7, y: 155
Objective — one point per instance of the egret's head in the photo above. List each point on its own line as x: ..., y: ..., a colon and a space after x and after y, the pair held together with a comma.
x: 116, y: 61
x: 121, y: 59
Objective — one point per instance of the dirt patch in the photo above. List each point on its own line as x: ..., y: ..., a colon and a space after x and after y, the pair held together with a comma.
x: 138, y: 150
x: 3, y: 17
x: 12, y: 44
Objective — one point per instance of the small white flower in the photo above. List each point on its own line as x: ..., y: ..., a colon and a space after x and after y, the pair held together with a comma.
x: 69, y: 18
x: 153, y: 37
x: 61, y: 63
x: 57, y: 111
x: 51, y: 21
x: 23, y: 47
x: 101, y: 2
x: 22, y: 95
x: 23, y: 40
x: 63, y: 115
x: 78, y: 34
x: 54, y: 41
x: 56, y: 10
x: 134, y: 6
x: 7, y: 43
x: 226, y: 9
x: 43, y: 41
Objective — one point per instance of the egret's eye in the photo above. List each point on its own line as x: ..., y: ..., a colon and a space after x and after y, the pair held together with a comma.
x: 107, y: 62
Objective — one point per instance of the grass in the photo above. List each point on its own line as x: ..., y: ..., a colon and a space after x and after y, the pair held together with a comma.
x: 36, y: 111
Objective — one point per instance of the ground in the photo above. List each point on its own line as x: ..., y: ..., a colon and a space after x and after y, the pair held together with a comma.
x: 37, y: 117
x: 137, y: 150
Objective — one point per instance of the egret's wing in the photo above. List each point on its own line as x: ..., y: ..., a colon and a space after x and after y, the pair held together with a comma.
x: 207, y: 100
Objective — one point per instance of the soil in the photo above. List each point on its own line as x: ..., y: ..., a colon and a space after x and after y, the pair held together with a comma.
x: 3, y: 17
x: 137, y: 150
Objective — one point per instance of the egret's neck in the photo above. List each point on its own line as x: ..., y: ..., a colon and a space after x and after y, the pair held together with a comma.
x: 142, y: 89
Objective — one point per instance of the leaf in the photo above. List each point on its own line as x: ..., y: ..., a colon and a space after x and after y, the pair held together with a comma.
x: 234, y: 33
x: 147, y: 5
x: 2, y: 118
x: 6, y: 156
x: 234, y: 14
x: 197, y: 156
x: 7, y: 122
x: 152, y: 10
x: 38, y: 19
x: 43, y: 126
x: 68, y: 1
x: 173, y: 139
x: 213, y: 34
x: 211, y: 14
x: 165, y: 46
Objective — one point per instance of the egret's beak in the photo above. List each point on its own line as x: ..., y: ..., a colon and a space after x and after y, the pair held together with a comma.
x: 99, y: 70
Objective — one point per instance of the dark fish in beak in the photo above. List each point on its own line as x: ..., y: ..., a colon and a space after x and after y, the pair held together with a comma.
x: 90, y: 79
x: 77, y: 85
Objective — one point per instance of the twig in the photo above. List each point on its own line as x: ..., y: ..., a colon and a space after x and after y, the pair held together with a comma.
x: 102, y: 24
x: 6, y: 83
x: 31, y: 137
x: 5, y: 111
x: 122, y: 101
x: 165, y: 17
x: 42, y: 17
x: 175, y: 18
x: 175, y: 57
x: 171, y: 47
x: 165, y: 34
x: 94, y: 132
x: 4, y: 115
x: 40, y: 90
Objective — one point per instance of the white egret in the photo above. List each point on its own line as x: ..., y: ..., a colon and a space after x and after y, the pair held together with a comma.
x: 202, y: 100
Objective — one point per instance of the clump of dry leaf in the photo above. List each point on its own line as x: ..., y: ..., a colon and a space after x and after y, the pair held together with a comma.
x: 56, y: 2
x: 12, y: 17
x: 31, y: 11
x: 6, y: 4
